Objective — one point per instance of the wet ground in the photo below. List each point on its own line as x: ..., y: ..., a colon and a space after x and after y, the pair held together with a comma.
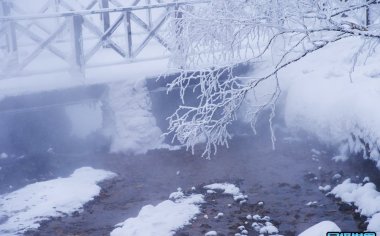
x: 285, y: 179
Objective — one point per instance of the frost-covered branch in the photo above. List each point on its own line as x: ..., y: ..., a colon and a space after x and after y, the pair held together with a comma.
x: 208, y: 41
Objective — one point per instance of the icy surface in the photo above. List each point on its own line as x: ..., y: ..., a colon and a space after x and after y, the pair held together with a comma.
x: 321, y: 229
x: 163, y: 219
x: 25, y: 208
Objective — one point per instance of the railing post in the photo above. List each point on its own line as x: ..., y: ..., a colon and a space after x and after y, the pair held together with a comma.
x: 149, y: 14
x: 78, y: 63
x: 367, y: 15
x: 55, y: 5
x: 10, y: 37
x: 128, y: 32
x: 105, y: 17
x: 178, y: 19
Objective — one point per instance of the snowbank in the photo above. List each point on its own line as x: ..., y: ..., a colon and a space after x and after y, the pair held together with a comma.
x: 25, y: 208
x: 364, y: 197
x: 323, y: 99
x: 163, y: 219
x: 321, y: 229
x: 135, y: 128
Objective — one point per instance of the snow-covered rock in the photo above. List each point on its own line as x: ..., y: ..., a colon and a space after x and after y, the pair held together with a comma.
x: 163, y: 219
x: 219, y: 215
x: 230, y: 189
x: 321, y: 229
x: 268, y: 228
x: 211, y: 233
x: 325, y: 188
x: 364, y: 197
x: 177, y: 195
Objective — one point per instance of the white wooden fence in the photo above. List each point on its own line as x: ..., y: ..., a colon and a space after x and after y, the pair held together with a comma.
x: 65, y: 35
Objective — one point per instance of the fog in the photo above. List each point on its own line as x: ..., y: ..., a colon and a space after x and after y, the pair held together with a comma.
x: 117, y: 122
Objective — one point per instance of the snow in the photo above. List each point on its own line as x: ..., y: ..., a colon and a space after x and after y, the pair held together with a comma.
x: 340, y: 158
x: 268, y: 228
x: 364, y: 197
x: 325, y: 188
x: 219, y: 215
x: 27, y: 207
x: 374, y: 223
x: 337, y: 176
x: 228, y: 188
x: 211, y: 233
x: 322, y: 100
x: 3, y: 155
x: 163, y: 219
x: 313, y: 203
x: 135, y: 129
x: 177, y: 195
x: 256, y: 217
x: 321, y: 229
x: 316, y: 152
x: 366, y: 179
x: 101, y: 75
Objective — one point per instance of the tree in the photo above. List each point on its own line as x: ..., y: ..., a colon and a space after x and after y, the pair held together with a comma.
x: 244, y: 31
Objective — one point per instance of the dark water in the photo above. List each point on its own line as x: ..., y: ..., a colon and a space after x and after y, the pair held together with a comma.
x: 284, y: 179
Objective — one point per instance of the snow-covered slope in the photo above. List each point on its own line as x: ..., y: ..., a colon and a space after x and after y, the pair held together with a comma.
x: 335, y: 101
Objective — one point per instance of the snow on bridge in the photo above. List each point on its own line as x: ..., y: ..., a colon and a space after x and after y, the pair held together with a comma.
x: 67, y: 43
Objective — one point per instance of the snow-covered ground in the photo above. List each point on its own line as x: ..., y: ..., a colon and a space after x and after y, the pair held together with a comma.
x: 26, y: 208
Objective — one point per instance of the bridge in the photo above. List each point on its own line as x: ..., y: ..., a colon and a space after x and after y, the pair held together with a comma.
x: 74, y: 36
x: 56, y: 55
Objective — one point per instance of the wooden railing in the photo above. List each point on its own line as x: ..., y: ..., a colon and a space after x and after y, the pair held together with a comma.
x: 62, y: 37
